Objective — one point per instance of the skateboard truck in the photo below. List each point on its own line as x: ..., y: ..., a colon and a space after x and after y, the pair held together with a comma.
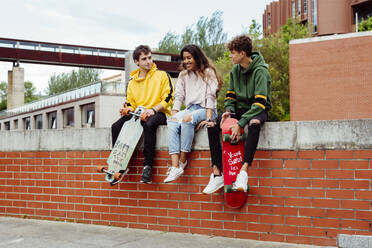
x: 113, y: 177
x: 227, y: 138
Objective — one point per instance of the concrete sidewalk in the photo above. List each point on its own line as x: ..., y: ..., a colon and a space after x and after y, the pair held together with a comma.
x: 25, y: 233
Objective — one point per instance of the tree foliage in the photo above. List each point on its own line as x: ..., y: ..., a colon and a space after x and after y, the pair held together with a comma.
x: 206, y: 33
x: 72, y: 80
x: 30, y: 94
x: 365, y: 24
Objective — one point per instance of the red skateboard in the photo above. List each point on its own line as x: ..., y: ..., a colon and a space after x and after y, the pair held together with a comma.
x: 232, y: 157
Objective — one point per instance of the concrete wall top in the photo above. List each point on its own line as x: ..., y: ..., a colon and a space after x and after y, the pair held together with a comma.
x: 331, y: 37
x: 343, y: 134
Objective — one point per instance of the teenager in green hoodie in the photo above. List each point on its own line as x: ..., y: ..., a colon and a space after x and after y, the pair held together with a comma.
x: 248, y: 99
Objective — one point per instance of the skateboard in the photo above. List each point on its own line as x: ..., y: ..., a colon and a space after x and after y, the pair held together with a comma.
x: 232, y: 157
x: 123, y: 149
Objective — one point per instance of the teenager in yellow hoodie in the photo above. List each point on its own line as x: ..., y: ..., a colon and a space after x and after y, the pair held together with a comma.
x: 152, y: 89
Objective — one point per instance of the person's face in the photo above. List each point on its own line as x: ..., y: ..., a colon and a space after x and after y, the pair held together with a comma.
x: 144, y: 61
x: 236, y: 57
x: 188, y: 61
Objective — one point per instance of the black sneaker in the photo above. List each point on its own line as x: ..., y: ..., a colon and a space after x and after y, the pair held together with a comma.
x: 146, y: 174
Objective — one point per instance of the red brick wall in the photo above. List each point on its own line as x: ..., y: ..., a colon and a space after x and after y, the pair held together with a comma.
x: 296, y: 196
x: 331, y: 79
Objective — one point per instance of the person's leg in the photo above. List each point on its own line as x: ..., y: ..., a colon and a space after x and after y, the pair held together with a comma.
x: 250, y: 146
x: 216, y: 178
x: 116, y: 128
x: 149, y: 131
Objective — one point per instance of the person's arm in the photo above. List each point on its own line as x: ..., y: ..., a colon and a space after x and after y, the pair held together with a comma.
x: 179, y: 93
x: 166, y: 95
x: 260, y: 97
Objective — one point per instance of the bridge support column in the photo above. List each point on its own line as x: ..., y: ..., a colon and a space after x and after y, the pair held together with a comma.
x: 16, y: 87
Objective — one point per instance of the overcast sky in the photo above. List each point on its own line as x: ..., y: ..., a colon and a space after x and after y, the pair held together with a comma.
x: 117, y: 24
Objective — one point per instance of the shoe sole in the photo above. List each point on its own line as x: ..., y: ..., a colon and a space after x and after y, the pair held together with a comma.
x: 213, y: 191
x: 173, y: 179
x: 145, y: 182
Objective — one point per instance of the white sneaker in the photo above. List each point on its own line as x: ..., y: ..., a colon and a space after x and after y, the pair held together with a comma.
x: 215, y: 183
x: 174, y: 173
x: 182, y: 165
x: 241, y: 182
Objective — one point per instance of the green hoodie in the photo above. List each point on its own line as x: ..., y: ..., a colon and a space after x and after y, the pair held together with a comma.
x: 249, y: 89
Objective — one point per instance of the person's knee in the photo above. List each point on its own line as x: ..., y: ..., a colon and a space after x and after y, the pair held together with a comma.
x: 187, y: 118
x: 254, y: 127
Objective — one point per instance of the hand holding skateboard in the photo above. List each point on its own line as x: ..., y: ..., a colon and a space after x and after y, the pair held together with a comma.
x: 125, y: 111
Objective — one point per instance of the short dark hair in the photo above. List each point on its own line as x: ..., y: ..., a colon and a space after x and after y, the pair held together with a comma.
x: 241, y: 43
x: 139, y: 50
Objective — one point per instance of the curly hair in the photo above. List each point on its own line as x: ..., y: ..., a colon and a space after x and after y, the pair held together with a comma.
x: 139, y: 50
x: 241, y: 43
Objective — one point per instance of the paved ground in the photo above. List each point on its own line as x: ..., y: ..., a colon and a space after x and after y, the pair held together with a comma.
x: 25, y: 233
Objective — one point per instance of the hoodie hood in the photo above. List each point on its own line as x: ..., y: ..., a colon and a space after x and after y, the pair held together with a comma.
x: 257, y: 61
x: 135, y: 74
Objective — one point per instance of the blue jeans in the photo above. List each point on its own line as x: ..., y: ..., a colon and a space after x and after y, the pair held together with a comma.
x: 180, y: 133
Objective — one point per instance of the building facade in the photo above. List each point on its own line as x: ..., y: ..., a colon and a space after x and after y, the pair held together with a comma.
x: 324, y: 17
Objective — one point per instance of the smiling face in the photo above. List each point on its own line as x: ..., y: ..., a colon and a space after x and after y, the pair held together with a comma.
x: 188, y: 61
x: 144, y: 61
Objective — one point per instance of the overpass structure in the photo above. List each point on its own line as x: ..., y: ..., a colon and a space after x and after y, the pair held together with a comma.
x: 26, y: 51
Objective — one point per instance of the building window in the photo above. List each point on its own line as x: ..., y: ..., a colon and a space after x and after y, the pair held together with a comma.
x: 15, y: 124
x: 299, y: 7
x: 293, y: 9
x: 52, y: 120
x: 7, y: 125
x: 68, y: 117
x: 88, y: 115
x: 269, y: 19
x: 39, y: 122
x: 315, y: 16
x: 305, y: 7
x: 27, y: 123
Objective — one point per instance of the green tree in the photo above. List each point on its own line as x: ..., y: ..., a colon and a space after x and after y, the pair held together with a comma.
x: 72, y: 80
x: 206, y: 33
x: 365, y: 24
x: 3, y: 95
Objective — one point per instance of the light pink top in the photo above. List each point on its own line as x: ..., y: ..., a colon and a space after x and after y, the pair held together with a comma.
x: 192, y: 89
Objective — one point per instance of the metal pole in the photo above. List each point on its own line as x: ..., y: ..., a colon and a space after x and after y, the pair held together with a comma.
x: 356, y: 22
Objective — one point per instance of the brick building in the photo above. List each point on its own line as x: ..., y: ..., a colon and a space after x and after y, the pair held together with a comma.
x: 325, y: 16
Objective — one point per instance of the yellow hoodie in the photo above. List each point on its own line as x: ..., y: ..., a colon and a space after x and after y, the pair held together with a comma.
x: 157, y: 87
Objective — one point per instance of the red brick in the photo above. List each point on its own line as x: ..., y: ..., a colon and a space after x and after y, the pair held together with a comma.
x: 354, y: 204
x: 284, y: 154
x: 260, y: 209
x: 337, y: 154
x: 331, y: 223
x: 267, y: 164
x: 285, y: 229
x: 303, y: 164
x: 272, y: 237
x: 189, y: 223
x: 342, y: 214
x: 321, y: 183
x: 235, y: 226
x: 201, y: 231
x: 325, y: 242
x: 298, y: 221
x: 353, y: 164
x: 285, y: 210
x: 284, y: 192
x: 355, y: 224
x: 311, y: 173
x: 299, y: 239
x: 324, y: 164
x: 311, y: 192
x: 128, y: 218
x: 363, y: 174
x: 178, y: 229
x: 58, y: 154
x: 213, y: 224
x: 355, y: 184
x: 171, y: 204
x: 273, y: 182
x: 180, y: 214
x: 340, y: 174
x: 12, y: 155
x: 340, y: 194
x: 211, y: 206
x: 312, y: 212
x: 247, y: 217
x: 366, y: 195
x: 157, y: 212
x: 325, y: 203
x: 308, y: 231
x: 253, y: 227
x: 367, y: 154
x: 311, y: 154
x: 200, y: 215
x: 247, y: 235
x: 298, y: 202
x: 262, y: 154
x: 298, y: 183
x: 271, y: 200
x: 284, y: 173
x: 272, y: 219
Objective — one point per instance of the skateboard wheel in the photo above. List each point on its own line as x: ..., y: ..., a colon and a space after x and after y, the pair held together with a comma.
x: 100, y: 168
x: 117, y: 175
x: 228, y: 188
